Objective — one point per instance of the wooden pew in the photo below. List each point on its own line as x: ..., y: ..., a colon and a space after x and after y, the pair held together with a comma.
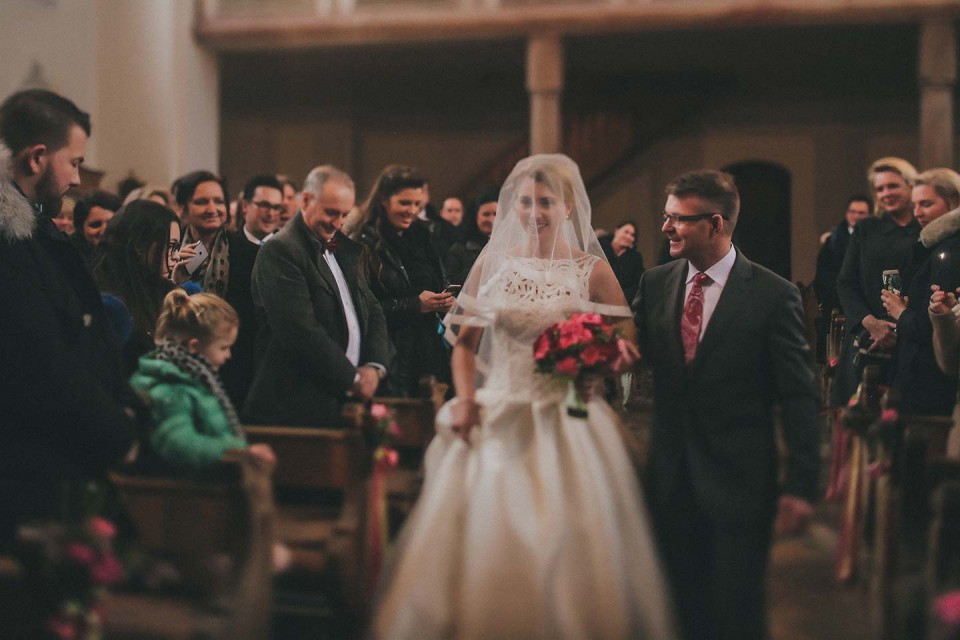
x: 415, y: 418
x: 943, y: 560
x: 901, y: 514
x: 230, y: 514
x: 321, y: 480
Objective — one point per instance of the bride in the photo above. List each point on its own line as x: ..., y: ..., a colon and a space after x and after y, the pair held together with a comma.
x: 530, y: 523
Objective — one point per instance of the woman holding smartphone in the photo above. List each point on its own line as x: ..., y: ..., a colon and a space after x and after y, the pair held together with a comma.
x: 924, y: 389
x: 205, y: 256
x: 407, y: 277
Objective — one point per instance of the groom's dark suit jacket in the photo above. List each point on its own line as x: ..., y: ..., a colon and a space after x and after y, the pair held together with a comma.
x: 714, y: 420
x: 303, y: 373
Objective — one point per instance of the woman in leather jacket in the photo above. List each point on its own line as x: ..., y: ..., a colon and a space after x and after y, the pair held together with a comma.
x: 408, y: 278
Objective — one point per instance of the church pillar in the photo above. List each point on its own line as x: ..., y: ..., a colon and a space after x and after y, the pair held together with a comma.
x: 545, y: 84
x: 938, y: 77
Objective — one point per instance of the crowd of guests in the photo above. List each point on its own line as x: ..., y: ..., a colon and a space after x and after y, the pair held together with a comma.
x: 893, y: 275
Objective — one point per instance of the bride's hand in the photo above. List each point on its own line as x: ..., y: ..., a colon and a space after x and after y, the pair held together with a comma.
x: 465, y: 415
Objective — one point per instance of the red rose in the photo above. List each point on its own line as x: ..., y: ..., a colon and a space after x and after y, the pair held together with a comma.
x: 101, y: 528
x: 107, y: 571
x: 572, y: 334
x: 590, y: 356
x: 541, y: 347
x: 568, y: 366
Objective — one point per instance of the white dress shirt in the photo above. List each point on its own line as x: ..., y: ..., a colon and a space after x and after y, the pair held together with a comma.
x: 254, y: 239
x: 353, y: 322
x: 718, y: 274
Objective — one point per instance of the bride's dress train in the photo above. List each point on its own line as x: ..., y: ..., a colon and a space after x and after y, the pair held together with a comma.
x: 536, y: 530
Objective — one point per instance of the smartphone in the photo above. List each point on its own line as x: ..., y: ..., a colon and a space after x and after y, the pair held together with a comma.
x: 452, y: 289
x: 891, y: 280
x: 194, y: 263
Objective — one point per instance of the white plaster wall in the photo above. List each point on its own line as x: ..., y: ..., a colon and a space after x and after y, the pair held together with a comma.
x: 152, y: 93
x: 60, y: 36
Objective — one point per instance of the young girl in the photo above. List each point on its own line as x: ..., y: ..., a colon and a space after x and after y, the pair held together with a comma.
x: 195, y: 420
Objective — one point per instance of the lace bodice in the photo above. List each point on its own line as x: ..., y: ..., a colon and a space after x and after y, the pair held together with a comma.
x: 525, y: 297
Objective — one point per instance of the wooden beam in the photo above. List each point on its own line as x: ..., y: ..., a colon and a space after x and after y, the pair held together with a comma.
x: 411, y: 24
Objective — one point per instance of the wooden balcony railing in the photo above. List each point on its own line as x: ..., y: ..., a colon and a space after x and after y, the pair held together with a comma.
x: 231, y: 25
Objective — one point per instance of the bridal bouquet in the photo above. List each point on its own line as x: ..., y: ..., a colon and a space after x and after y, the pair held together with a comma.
x: 581, y: 344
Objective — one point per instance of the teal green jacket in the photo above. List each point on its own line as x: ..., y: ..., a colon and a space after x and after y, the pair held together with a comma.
x: 191, y: 429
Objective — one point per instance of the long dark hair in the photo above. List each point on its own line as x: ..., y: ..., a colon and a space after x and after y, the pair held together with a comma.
x: 393, y: 179
x: 127, y: 268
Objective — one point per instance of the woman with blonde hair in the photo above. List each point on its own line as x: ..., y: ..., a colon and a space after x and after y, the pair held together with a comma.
x: 924, y: 388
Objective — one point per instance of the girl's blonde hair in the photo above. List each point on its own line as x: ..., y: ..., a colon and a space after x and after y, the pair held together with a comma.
x: 203, y: 316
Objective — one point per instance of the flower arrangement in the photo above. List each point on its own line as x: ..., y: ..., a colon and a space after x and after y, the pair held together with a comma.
x: 70, y: 566
x: 379, y: 429
x: 581, y: 344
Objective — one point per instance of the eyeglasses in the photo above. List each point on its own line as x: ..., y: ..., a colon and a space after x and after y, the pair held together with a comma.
x: 173, y: 247
x: 675, y: 218
x: 263, y: 205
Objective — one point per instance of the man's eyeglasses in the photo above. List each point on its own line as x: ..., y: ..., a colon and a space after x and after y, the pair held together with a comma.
x: 675, y: 218
x: 173, y: 247
x: 263, y: 205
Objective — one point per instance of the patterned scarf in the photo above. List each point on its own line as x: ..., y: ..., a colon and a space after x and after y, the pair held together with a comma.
x: 198, y: 368
x: 214, y: 273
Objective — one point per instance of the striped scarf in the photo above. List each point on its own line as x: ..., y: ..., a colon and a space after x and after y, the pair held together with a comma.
x: 198, y: 367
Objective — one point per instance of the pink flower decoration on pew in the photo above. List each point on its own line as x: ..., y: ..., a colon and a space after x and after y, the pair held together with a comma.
x: 378, y: 411
x: 947, y: 609
x: 889, y: 415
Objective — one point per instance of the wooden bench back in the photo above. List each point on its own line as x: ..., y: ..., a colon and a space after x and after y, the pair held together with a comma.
x: 312, y: 458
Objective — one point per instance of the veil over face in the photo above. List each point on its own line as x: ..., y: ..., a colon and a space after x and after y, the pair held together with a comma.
x: 543, y: 222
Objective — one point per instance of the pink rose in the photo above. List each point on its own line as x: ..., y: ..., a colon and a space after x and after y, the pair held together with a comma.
x: 568, y: 366
x: 80, y: 553
x: 947, y: 608
x: 393, y: 429
x: 107, y: 571
x: 392, y: 457
x: 541, y: 347
x: 889, y: 415
x: 572, y: 334
x: 101, y: 528
x: 65, y: 627
x: 378, y: 411
x: 590, y: 356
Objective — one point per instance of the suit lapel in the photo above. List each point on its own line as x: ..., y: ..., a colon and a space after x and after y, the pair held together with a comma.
x: 733, y: 301
x: 315, y: 256
x: 673, y: 292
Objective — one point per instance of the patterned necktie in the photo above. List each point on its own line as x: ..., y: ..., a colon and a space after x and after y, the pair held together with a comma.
x: 693, y: 317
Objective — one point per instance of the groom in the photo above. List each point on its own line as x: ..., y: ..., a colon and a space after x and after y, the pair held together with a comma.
x: 725, y: 339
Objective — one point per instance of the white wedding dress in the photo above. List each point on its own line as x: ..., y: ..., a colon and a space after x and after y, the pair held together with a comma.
x: 536, y: 530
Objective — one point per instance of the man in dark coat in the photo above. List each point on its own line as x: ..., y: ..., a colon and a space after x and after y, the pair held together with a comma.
x: 323, y: 334
x: 725, y: 339
x: 261, y: 205
x: 829, y: 261
x: 62, y: 415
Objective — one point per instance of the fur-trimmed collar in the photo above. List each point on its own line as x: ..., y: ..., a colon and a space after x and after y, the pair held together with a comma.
x: 17, y: 217
x: 940, y: 229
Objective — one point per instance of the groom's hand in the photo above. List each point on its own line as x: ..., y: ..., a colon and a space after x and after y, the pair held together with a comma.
x: 793, y: 515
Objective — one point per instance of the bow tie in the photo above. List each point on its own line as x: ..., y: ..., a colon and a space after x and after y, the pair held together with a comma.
x: 330, y: 245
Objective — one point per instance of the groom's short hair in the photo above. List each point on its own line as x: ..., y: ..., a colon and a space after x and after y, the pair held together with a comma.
x: 715, y: 187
